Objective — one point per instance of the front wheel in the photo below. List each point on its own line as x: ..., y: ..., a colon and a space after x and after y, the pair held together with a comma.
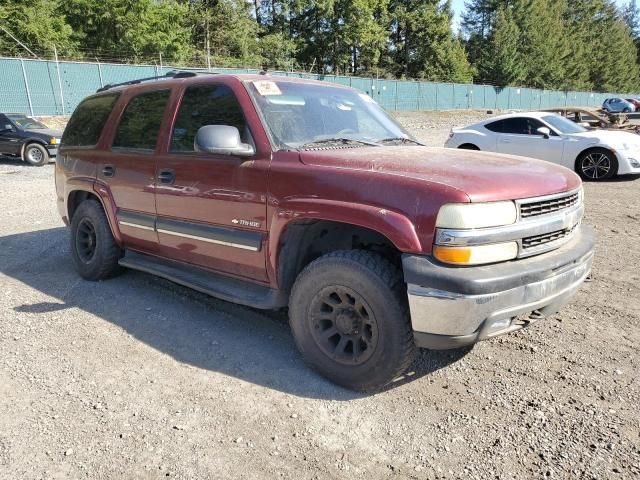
x: 597, y: 164
x: 349, y: 316
x: 35, y: 154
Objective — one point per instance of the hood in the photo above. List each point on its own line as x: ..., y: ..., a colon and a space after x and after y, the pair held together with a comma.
x: 46, y: 132
x: 483, y: 176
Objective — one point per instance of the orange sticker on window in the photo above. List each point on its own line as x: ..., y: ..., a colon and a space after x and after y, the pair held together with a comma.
x: 267, y: 87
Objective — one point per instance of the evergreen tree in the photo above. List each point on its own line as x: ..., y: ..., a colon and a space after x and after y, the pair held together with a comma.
x: 631, y: 17
x: 603, y: 46
x: 543, y: 42
x: 423, y: 45
x: 38, y: 24
x: 132, y: 29
x: 504, y: 65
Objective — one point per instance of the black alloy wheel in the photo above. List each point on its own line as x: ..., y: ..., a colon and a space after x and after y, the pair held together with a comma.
x: 597, y: 165
x: 86, y: 240
x: 343, y: 325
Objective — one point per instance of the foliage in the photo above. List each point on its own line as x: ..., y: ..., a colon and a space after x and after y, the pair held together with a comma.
x: 35, y: 23
x: 567, y: 44
x: 553, y: 44
x: 506, y: 65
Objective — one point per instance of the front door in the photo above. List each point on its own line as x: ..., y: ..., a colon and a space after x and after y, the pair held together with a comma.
x: 520, y: 137
x: 212, y: 208
x: 10, y: 142
x: 129, y: 168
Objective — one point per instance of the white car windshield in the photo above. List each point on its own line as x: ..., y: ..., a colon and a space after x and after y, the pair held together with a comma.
x: 303, y: 114
x: 563, y: 125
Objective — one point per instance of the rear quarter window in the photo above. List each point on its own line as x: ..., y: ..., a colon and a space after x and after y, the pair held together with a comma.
x: 495, y: 126
x: 88, y: 119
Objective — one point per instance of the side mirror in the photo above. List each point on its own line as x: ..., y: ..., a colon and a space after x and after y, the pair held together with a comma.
x: 544, y: 131
x: 221, y: 140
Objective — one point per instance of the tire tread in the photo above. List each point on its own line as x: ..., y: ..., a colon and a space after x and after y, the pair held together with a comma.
x: 394, y: 280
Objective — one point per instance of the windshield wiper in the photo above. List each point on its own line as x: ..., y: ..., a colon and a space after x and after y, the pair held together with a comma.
x: 401, y: 140
x: 339, y: 140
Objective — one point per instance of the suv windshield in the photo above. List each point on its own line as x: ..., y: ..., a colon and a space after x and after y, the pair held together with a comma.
x: 563, y: 125
x: 301, y: 114
x: 25, y: 122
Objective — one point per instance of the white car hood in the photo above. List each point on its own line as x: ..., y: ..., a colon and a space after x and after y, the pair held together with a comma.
x: 612, y: 138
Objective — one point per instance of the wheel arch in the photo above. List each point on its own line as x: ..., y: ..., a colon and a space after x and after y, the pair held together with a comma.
x: 576, y: 166
x: 305, y: 237
x: 29, y: 141
x: 81, y: 191
x: 468, y: 146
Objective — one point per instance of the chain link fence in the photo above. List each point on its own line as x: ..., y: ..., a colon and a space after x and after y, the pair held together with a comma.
x: 47, y: 87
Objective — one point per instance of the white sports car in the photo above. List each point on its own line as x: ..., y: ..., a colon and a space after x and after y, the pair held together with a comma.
x: 593, y: 154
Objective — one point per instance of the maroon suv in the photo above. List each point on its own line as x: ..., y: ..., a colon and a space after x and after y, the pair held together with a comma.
x: 274, y: 192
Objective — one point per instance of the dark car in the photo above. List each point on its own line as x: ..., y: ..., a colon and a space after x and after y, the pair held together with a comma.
x: 634, y: 101
x: 32, y: 141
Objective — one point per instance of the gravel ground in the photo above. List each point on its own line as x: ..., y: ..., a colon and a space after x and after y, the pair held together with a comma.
x: 138, y: 378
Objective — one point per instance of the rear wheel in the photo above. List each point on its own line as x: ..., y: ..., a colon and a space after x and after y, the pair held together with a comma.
x: 597, y: 164
x: 349, y: 317
x: 93, y: 248
x: 35, y: 154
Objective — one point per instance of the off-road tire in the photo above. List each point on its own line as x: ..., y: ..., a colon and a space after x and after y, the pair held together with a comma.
x: 102, y: 262
x: 35, y: 155
x: 596, y: 154
x: 380, y: 286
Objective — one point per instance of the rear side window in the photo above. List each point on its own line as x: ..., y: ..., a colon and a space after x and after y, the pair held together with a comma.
x: 206, y: 105
x: 495, y: 126
x: 140, y: 123
x: 86, y: 123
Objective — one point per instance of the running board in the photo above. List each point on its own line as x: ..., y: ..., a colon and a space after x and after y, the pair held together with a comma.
x: 204, y: 281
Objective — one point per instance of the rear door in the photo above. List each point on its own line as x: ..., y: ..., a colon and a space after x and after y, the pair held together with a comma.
x: 212, y: 208
x: 128, y: 169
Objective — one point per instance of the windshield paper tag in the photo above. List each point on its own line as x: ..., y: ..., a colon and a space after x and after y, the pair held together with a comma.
x: 267, y: 87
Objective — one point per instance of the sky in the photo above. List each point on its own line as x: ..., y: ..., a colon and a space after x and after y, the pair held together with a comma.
x: 458, y: 7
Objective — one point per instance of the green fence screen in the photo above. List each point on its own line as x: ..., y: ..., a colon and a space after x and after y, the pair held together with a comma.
x: 44, y: 87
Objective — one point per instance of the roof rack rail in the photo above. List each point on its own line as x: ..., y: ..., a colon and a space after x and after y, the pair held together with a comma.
x: 171, y: 74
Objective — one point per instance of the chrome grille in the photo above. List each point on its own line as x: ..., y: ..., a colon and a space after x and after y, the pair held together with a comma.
x: 537, y: 240
x: 542, y: 207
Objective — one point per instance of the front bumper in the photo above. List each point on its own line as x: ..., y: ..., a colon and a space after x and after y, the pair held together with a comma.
x: 456, y: 306
x: 53, y: 150
x: 628, y: 162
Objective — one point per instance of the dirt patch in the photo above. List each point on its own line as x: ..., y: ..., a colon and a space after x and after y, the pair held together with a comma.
x: 138, y: 378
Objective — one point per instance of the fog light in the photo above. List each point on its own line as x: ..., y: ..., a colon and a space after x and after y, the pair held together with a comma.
x: 634, y: 163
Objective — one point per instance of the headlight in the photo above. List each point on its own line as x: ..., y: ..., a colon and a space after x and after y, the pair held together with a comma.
x: 476, y: 215
x: 476, y: 255
x: 54, y: 141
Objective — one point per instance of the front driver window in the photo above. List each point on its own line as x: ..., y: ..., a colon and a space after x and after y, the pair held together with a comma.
x: 206, y: 105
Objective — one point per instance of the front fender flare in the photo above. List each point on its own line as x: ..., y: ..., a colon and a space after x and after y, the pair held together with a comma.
x: 395, y: 226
